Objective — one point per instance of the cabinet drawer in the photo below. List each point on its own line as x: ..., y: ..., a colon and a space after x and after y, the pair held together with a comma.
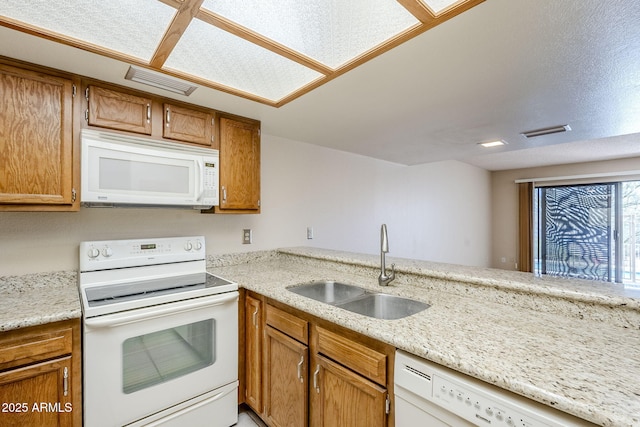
x: 291, y: 325
x: 355, y: 356
x: 25, y: 348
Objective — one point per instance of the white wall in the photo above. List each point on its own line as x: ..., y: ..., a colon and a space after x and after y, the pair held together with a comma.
x: 437, y: 211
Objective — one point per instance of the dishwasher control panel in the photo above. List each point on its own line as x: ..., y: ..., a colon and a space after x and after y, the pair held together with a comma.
x: 439, y: 390
x: 477, y: 407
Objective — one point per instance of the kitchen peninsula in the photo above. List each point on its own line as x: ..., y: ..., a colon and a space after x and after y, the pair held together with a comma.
x: 570, y: 344
x: 573, y: 345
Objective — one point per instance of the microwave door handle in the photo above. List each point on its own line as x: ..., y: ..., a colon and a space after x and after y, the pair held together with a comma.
x: 199, y: 180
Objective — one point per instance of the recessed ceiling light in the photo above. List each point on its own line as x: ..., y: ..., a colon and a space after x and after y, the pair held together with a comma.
x: 161, y: 81
x: 492, y: 143
x: 546, y: 131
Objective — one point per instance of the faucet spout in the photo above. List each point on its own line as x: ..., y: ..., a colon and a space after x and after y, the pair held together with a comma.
x: 384, y: 239
x: 384, y: 279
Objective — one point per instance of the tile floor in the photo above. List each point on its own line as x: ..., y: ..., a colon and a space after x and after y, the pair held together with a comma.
x: 246, y: 418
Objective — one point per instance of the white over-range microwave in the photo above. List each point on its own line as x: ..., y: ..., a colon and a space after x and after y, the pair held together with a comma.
x: 122, y: 170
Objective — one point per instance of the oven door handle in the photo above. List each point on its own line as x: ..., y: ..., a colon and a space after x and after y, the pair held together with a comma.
x: 133, y: 316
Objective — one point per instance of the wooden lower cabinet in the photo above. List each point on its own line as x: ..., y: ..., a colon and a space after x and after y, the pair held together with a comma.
x: 315, y: 373
x: 285, y: 380
x: 344, y: 398
x: 37, y: 395
x: 40, y: 370
x: 253, y: 329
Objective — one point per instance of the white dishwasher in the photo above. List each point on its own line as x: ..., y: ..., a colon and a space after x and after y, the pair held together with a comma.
x: 428, y: 394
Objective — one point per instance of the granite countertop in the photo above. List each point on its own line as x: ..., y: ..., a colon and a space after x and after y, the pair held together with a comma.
x: 564, y: 343
x: 36, y: 299
x: 570, y: 344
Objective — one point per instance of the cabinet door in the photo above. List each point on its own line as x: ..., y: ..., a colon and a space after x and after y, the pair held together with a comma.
x: 239, y: 165
x: 36, y: 139
x: 253, y: 353
x: 118, y: 110
x: 37, y: 395
x: 188, y: 125
x: 286, y: 374
x: 340, y: 397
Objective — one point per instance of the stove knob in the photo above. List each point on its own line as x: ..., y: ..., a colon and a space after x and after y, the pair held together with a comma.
x: 107, y: 252
x: 188, y: 246
x: 93, y: 252
x: 198, y: 245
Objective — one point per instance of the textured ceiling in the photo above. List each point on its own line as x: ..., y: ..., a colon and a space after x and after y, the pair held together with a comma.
x: 270, y: 52
x: 492, y: 72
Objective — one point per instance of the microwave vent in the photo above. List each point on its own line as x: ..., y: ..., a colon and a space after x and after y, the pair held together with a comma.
x: 160, y: 81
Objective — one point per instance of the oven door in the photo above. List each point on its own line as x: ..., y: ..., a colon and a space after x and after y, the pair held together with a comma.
x: 140, y: 362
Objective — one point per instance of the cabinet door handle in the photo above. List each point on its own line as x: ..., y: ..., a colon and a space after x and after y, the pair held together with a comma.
x: 255, y: 318
x: 65, y: 381
x: 168, y: 117
x: 315, y: 379
x: 300, y: 368
x: 224, y: 194
x: 148, y: 113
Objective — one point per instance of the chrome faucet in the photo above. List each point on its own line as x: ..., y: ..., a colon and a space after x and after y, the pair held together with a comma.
x: 383, y: 279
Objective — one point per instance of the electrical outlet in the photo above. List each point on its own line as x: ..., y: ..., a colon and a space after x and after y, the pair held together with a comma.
x: 247, y: 236
x: 309, y: 233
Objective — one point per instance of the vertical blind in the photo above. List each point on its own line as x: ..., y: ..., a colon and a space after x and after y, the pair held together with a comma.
x: 575, y: 231
x: 525, y: 226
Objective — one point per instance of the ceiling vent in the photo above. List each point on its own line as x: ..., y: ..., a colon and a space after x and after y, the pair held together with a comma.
x: 160, y: 81
x: 546, y: 131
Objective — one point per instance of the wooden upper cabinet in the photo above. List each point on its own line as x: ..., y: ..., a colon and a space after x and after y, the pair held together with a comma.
x: 118, y: 110
x: 187, y: 124
x: 38, y: 169
x: 239, y: 166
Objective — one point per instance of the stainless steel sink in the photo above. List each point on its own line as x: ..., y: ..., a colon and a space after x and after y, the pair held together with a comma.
x: 358, y: 300
x: 328, y: 291
x: 384, y: 306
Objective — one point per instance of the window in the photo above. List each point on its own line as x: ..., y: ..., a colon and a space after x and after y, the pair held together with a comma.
x: 588, y: 231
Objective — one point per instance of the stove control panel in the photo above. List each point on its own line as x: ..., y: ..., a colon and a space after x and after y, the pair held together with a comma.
x: 109, y: 254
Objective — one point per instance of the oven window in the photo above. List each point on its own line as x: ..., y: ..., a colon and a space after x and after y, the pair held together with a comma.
x: 161, y: 356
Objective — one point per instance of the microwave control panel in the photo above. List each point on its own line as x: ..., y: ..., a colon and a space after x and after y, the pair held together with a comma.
x: 210, y: 181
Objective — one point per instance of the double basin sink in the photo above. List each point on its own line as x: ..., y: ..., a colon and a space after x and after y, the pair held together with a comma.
x: 358, y: 300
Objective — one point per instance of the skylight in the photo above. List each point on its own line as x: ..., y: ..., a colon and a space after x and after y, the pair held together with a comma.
x: 268, y: 51
x: 331, y: 32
